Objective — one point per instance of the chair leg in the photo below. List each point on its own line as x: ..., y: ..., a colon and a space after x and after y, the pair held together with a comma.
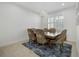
x: 49, y: 44
x: 61, y: 46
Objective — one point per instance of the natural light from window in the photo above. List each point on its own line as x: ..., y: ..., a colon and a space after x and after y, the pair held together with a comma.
x: 56, y: 22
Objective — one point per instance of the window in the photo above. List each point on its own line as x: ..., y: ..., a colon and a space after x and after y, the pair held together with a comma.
x: 56, y: 22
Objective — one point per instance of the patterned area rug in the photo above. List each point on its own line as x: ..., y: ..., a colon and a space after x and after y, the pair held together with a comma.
x: 45, y: 51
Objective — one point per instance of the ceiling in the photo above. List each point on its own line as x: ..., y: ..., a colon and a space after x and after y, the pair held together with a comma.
x: 46, y: 6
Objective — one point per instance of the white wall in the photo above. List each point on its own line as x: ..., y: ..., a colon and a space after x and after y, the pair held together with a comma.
x: 69, y: 23
x: 13, y: 22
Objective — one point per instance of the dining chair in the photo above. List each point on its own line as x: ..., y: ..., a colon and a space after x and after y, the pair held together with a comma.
x: 32, y: 35
x: 52, y: 30
x: 61, y: 38
x: 46, y: 30
x: 41, y: 37
x: 64, y: 32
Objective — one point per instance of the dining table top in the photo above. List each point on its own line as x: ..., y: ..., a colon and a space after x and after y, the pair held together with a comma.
x: 52, y: 34
x: 49, y: 35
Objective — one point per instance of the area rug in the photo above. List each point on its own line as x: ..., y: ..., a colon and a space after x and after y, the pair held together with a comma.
x: 45, y: 51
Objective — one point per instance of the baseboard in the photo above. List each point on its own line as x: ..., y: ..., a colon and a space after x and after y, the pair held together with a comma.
x: 12, y: 42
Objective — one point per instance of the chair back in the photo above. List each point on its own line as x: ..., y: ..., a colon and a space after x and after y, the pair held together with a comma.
x: 52, y: 30
x: 61, y: 37
x: 40, y: 36
x: 64, y: 32
x: 46, y: 30
x: 31, y: 34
